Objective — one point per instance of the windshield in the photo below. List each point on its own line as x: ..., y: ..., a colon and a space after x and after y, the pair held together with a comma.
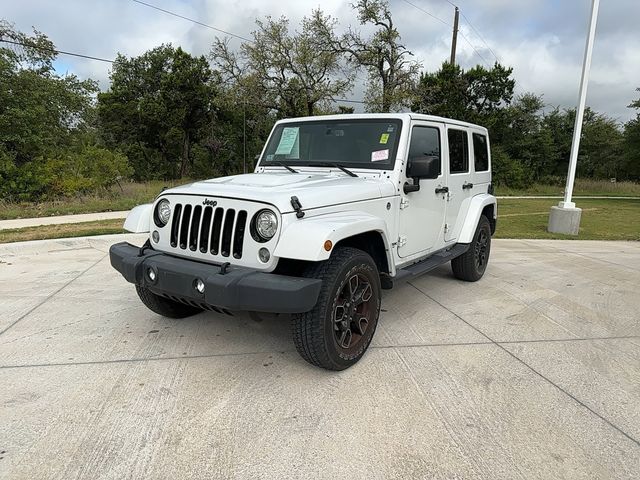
x: 367, y: 143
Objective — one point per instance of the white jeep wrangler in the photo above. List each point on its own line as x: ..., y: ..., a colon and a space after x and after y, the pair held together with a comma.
x: 338, y: 208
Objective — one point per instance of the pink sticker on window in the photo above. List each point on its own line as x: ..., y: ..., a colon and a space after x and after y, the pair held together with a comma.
x: 380, y: 155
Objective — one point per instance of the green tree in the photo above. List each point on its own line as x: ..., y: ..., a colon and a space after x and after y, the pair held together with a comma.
x: 473, y: 95
x: 392, y: 72
x: 156, y: 109
x: 631, y: 144
x: 40, y: 111
x: 519, y: 130
x: 291, y: 74
x: 601, y: 144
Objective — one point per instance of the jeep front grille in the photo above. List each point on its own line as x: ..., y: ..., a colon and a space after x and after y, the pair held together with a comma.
x: 218, y: 231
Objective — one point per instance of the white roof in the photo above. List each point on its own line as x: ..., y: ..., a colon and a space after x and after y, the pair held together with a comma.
x: 400, y: 116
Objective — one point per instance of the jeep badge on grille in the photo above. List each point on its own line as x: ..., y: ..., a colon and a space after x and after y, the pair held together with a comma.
x: 206, y: 201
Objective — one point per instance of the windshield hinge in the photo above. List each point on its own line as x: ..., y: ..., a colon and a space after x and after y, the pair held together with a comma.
x: 404, y: 203
x: 402, y: 241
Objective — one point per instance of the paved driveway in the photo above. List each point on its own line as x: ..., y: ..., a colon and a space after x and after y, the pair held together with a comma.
x: 534, y: 372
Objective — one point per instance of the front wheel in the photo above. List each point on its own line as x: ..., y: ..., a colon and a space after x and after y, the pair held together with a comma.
x: 471, y: 265
x: 338, y: 330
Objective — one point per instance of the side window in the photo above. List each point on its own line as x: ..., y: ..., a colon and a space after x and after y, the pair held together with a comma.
x: 458, y: 151
x: 425, y: 141
x: 480, y: 152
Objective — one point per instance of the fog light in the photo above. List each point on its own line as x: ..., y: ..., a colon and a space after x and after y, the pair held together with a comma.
x: 151, y: 274
x: 155, y: 236
x: 199, y: 285
x: 264, y: 255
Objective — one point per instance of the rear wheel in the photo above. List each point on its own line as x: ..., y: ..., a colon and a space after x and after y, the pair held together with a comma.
x: 338, y: 330
x: 164, y: 306
x: 471, y: 265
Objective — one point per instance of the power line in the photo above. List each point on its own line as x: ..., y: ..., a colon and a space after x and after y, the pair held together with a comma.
x: 59, y: 52
x: 464, y: 37
x: 448, y: 25
x: 478, y: 34
x: 194, y: 21
x: 428, y: 13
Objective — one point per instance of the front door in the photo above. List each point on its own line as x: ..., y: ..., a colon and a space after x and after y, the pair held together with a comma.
x: 422, y: 213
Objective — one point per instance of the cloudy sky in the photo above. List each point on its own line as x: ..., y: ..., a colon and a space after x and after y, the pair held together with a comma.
x: 542, y: 39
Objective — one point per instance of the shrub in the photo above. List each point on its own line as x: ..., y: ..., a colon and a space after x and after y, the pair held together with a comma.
x: 89, y: 169
x: 507, y: 171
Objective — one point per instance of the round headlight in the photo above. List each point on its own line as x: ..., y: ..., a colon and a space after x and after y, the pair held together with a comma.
x: 266, y: 224
x: 163, y: 212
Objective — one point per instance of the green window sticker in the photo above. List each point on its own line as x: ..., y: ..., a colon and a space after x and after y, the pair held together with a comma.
x: 288, y: 140
x: 384, y: 138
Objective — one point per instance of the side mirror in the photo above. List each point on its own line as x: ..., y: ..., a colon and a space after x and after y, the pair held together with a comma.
x: 424, y: 167
x: 421, y: 167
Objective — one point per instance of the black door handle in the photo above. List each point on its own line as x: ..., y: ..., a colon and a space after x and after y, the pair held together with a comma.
x: 442, y: 189
x: 467, y: 185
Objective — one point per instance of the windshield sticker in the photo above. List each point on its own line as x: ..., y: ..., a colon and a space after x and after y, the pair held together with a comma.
x: 288, y: 139
x: 384, y: 138
x: 390, y: 128
x: 380, y: 155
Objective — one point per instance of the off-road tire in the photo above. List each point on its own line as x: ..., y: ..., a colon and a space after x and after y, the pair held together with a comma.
x: 315, y: 332
x: 468, y: 266
x: 164, y: 306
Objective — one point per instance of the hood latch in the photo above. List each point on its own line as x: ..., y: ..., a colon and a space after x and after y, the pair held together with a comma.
x: 295, y: 203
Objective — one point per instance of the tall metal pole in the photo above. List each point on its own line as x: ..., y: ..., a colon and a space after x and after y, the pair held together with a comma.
x: 577, y: 129
x: 244, y: 136
x: 454, y: 39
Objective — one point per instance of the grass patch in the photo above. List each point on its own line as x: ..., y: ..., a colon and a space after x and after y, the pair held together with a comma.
x: 602, y: 219
x: 84, y: 229
x: 582, y: 187
x: 114, y: 200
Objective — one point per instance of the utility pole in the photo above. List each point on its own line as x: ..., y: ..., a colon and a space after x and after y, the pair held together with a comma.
x: 454, y: 39
x: 565, y: 218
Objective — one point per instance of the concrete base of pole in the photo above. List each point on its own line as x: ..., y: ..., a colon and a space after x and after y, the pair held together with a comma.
x: 564, y: 220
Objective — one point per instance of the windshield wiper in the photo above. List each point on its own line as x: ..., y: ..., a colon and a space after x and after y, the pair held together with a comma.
x: 337, y: 165
x: 282, y: 164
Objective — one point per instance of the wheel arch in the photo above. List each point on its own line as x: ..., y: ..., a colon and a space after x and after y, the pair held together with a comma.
x: 305, y: 239
x: 480, y: 204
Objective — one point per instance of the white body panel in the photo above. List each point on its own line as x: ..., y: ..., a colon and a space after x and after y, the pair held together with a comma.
x: 139, y: 218
x: 305, y: 240
x: 473, y: 212
x: 337, y: 206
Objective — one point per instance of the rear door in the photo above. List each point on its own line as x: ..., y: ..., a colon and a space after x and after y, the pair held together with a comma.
x: 481, y: 161
x: 459, y: 182
x: 422, y: 213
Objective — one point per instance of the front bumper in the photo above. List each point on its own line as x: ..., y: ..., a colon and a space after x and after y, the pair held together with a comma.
x: 237, y: 288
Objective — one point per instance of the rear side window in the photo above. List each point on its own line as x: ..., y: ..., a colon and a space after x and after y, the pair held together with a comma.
x: 425, y: 141
x: 480, y: 153
x: 458, y: 151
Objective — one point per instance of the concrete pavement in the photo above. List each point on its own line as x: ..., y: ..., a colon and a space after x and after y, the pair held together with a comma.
x: 533, y: 372
x: 61, y: 219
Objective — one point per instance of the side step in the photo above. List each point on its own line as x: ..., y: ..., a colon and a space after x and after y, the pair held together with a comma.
x: 428, y: 264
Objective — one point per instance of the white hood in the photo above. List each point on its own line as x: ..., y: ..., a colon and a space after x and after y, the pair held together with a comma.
x: 312, y: 189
